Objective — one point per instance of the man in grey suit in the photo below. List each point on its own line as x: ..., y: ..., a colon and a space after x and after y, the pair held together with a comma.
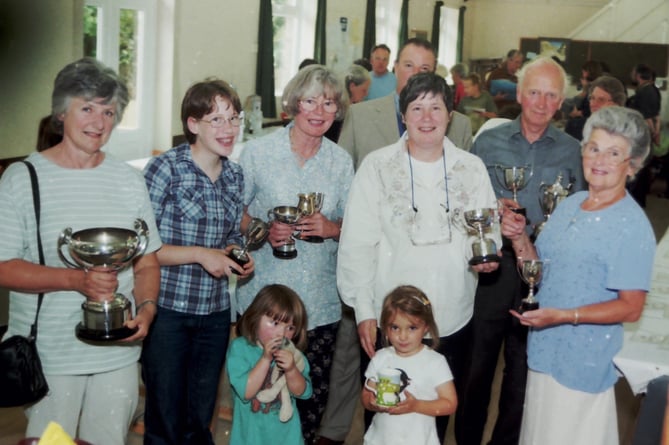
x: 376, y: 123
x: 368, y: 126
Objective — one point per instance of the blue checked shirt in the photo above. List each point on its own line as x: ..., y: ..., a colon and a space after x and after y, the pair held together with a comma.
x: 193, y: 211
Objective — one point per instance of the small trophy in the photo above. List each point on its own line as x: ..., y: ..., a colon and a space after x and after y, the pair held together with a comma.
x: 549, y: 197
x: 531, y: 271
x: 104, y: 248
x: 480, y: 221
x: 256, y: 232
x: 514, y: 179
x: 286, y: 215
x: 308, y: 204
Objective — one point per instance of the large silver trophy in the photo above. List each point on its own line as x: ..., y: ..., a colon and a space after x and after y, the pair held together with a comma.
x: 286, y: 215
x: 256, y: 232
x: 514, y: 179
x: 480, y: 221
x: 104, y: 248
x: 549, y: 197
x: 531, y: 272
x: 308, y: 204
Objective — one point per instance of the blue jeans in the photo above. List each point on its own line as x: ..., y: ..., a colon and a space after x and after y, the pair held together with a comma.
x: 182, y: 361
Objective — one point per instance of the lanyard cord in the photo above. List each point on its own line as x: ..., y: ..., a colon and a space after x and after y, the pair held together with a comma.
x: 413, y: 196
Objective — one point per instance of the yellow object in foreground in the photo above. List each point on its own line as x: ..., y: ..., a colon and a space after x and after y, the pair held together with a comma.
x: 54, y: 434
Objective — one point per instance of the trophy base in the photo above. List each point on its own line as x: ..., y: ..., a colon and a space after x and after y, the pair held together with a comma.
x: 313, y: 239
x: 519, y: 210
x: 85, y: 334
x: 284, y: 255
x: 528, y: 306
x: 483, y: 259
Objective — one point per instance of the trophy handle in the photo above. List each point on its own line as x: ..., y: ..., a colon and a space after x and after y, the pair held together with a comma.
x: 65, y: 238
x: 142, y: 230
x: 270, y: 215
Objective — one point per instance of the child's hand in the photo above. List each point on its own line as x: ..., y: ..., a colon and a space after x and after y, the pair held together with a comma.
x: 271, y: 347
x: 284, y: 360
x: 407, y: 405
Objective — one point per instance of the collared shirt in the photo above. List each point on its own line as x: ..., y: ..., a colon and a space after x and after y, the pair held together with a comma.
x: 273, y: 178
x: 553, y: 153
x: 191, y: 210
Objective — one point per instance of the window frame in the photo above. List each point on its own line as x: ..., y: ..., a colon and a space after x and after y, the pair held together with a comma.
x: 130, y: 143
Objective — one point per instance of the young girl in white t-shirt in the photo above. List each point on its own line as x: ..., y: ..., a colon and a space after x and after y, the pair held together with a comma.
x: 427, y: 388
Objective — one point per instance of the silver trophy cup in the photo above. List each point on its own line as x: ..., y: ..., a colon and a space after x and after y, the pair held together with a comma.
x: 514, y: 179
x: 104, y: 248
x: 256, y: 232
x: 310, y: 203
x: 531, y: 272
x: 286, y: 215
x: 480, y: 221
x: 549, y: 197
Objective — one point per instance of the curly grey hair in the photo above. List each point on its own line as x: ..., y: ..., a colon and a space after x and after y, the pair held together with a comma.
x: 626, y: 123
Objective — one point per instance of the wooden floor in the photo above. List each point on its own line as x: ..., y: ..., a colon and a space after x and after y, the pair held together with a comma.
x: 13, y: 423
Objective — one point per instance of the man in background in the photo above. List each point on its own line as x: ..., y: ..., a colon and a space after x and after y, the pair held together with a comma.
x: 383, y: 81
x: 373, y: 124
x: 502, y: 81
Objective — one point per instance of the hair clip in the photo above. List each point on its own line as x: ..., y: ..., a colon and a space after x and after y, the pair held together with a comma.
x: 424, y: 301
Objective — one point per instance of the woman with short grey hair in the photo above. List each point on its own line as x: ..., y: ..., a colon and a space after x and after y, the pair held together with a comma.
x: 277, y: 167
x: 606, y: 91
x: 601, y: 243
x: 93, y: 385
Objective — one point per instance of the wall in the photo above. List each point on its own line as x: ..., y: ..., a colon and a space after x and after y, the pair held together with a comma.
x: 205, y: 38
x: 36, y: 39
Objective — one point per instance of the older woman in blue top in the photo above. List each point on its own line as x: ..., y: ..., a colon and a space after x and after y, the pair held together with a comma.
x: 600, y: 249
x: 298, y: 159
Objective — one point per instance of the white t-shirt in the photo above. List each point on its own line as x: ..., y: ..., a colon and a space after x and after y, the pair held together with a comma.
x: 426, y: 370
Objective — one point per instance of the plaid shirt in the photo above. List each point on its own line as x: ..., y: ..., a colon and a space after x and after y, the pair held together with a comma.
x: 193, y: 211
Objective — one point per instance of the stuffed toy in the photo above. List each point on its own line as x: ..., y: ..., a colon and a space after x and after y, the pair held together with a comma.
x: 279, y: 386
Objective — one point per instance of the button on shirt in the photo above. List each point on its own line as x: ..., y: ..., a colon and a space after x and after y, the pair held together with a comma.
x: 191, y: 210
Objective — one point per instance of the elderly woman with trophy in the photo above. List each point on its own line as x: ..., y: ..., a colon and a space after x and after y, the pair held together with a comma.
x: 300, y: 179
x: 407, y: 220
x: 95, y: 213
x: 600, y: 248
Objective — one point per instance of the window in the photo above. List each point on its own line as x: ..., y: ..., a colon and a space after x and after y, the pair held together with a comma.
x: 118, y: 33
x: 448, y: 38
x: 294, y: 31
x: 388, y: 26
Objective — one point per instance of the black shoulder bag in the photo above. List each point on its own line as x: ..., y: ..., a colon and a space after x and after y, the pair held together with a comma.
x: 21, y: 376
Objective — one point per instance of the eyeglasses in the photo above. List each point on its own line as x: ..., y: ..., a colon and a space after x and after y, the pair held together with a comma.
x: 329, y: 106
x: 218, y: 121
x: 599, y: 100
x: 612, y: 156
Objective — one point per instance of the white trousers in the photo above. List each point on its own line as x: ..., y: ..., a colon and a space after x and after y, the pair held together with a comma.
x: 97, y: 408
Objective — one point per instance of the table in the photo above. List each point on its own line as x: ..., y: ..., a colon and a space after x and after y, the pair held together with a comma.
x: 645, y: 352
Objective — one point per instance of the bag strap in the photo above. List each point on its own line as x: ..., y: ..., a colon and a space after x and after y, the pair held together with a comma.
x: 36, y: 203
